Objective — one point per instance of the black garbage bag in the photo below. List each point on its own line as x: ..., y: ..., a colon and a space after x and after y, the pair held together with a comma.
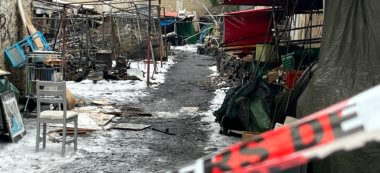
x: 247, y: 107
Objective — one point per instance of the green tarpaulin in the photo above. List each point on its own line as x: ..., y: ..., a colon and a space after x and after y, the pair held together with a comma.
x: 186, y: 30
x: 246, y: 107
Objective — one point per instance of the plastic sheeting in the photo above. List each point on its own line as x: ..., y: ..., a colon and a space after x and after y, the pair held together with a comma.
x: 186, y: 31
x: 248, y: 2
x: 246, y: 107
x: 247, y: 27
x: 167, y: 22
x: 333, y: 129
x: 300, y: 4
x: 349, y: 63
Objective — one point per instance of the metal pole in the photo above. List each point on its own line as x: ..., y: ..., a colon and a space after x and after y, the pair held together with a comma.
x: 152, y: 38
x: 166, y: 38
x: 275, y: 29
x: 148, y: 45
x: 58, y: 32
x: 103, y: 30
x: 139, y: 43
x: 64, y: 23
x: 160, y: 31
x: 88, y: 37
x: 82, y: 32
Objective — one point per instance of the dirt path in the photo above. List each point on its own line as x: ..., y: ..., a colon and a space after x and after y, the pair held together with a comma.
x: 149, y: 150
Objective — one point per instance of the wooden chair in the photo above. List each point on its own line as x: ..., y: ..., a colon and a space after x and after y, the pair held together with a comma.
x: 54, y: 93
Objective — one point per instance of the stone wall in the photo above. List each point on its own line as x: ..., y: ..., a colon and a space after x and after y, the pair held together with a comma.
x: 11, y: 31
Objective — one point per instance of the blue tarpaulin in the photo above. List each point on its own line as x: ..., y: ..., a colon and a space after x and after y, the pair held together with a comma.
x: 204, y: 31
x: 167, y: 22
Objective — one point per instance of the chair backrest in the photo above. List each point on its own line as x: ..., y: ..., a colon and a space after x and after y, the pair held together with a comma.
x: 51, y: 92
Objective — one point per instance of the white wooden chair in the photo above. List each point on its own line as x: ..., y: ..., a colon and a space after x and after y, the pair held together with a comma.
x: 54, y: 93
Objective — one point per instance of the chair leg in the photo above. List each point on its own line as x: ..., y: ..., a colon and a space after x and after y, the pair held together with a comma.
x: 38, y: 136
x: 63, y: 139
x: 44, y: 135
x: 76, y: 134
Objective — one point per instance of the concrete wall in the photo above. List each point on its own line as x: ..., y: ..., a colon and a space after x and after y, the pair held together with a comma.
x: 11, y: 31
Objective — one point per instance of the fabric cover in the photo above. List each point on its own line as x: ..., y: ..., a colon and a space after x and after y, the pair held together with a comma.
x: 185, y: 29
x: 248, y: 2
x: 246, y: 107
x: 349, y: 62
x: 167, y: 22
x: 301, y: 4
x: 247, y: 27
x: 57, y: 115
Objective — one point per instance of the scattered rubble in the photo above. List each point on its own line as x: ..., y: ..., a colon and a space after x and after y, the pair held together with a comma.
x: 166, y: 131
x: 130, y: 126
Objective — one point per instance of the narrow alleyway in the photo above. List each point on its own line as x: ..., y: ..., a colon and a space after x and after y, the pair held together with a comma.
x: 152, y: 151
x: 180, y: 106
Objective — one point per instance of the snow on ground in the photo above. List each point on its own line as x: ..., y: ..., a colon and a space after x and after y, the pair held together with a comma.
x: 121, y: 91
x: 21, y: 157
x: 216, y: 140
x: 112, y: 91
x: 125, y: 91
x: 215, y: 72
x: 187, y: 48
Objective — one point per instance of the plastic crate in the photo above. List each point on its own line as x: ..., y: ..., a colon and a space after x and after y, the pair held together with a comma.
x: 288, y: 61
x: 16, y: 53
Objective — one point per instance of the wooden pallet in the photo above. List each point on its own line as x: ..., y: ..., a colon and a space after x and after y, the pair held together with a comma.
x: 52, y: 62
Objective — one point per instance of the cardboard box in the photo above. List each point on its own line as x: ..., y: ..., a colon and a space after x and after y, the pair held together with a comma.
x: 248, y: 135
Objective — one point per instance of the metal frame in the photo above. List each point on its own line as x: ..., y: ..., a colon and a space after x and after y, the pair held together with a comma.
x: 37, y: 71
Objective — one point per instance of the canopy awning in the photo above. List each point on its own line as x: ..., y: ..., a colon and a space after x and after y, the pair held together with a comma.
x: 247, y: 27
x: 167, y: 22
x: 301, y: 4
x: 169, y: 14
x: 248, y: 2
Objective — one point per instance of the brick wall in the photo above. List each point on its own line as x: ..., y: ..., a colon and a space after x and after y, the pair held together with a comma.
x: 11, y: 31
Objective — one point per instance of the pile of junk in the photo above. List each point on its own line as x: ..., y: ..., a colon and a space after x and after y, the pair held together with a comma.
x: 267, y: 62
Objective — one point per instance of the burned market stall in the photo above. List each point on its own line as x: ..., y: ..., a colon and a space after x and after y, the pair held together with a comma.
x: 269, y: 53
x: 99, y: 43
x: 282, y: 69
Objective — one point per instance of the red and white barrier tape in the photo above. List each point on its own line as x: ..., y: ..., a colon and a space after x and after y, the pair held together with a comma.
x: 346, y: 126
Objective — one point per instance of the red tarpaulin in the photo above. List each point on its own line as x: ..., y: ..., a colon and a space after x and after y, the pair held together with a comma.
x: 248, y: 2
x: 247, y: 27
